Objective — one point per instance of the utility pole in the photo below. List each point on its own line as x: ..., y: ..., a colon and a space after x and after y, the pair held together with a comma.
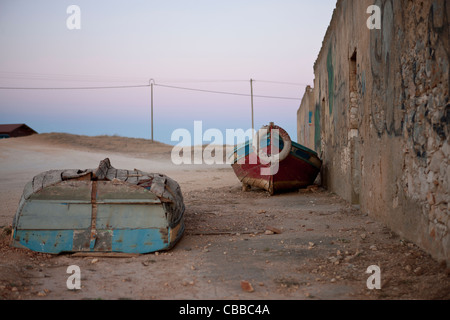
x: 151, y: 86
x: 251, y: 91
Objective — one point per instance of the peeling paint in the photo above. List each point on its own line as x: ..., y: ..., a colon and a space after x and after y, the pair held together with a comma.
x: 65, y: 212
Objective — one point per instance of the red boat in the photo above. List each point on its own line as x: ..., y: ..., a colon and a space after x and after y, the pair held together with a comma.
x: 272, y: 161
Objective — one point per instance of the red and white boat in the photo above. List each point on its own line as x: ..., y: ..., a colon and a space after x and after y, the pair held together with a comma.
x: 272, y: 161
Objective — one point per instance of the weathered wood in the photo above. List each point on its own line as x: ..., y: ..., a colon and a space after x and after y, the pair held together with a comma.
x: 93, y: 236
x: 28, y: 190
x: 52, y: 177
x: 99, y: 210
x: 112, y: 174
x: 75, y: 174
x: 132, y: 177
x: 74, y: 190
x: 102, y: 170
x: 122, y: 174
x: 158, y: 185
x: 37, y: 182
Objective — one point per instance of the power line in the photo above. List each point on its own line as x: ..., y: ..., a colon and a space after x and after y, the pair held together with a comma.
x: 72, y: 88
x: 283, y: 83
x: 226, y: 93
x: 147, y: 85
x: 201, y: 81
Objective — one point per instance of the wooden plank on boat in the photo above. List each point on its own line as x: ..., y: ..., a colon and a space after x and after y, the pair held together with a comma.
x: 102, y: 170
x: 51, y: 177
x: 122, y: 174
x: 47, y: 215
x: 112, y: 174
x: 69, y: 191
x: 132, y: 177
x: 76, y: 174
x: 28, y: 190
x: 37, y: 182
x: 92, y: 210
x: 158, y: 185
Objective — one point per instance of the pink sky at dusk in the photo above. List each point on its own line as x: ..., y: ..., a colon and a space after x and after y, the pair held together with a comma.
x: 208, y: 45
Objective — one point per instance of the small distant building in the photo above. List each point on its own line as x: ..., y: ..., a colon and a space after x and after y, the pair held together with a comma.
x: 15, y: 130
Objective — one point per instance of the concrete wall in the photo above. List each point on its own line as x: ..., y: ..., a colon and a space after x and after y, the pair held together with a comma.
x: 305, y: 125
x: 382, y: 114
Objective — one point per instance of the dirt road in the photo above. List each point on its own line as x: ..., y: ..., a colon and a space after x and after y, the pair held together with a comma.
x: 308, y: 244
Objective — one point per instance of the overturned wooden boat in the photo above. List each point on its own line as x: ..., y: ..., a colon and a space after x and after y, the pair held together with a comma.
x: 99, y: 210
x: 296, y: 166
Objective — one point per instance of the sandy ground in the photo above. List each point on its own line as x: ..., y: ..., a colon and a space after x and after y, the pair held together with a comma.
x: 322, y: 250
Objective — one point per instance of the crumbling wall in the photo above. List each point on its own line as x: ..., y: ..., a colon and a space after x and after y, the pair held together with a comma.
x: 305, y: 124
x: 382, y: 113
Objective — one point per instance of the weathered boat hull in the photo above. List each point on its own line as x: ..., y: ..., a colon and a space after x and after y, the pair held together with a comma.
x: 298, y: 170
x: 103, y: 210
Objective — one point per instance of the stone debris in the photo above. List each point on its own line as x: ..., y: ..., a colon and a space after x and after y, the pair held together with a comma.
x: 246, y: 286
x: 272, y: 230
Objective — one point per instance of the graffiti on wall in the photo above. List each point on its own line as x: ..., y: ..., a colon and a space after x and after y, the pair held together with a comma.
x: 439, y: 43
x: 402, y: 87
x: 317, y: 134
x: 387, y: 107
x: 330, y: 71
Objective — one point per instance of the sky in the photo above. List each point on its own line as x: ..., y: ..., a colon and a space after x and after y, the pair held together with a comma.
x: 207, y: 45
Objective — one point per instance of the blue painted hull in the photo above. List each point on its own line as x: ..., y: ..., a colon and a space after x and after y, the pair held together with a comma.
x: 125, y: 240
x: 107, y: 210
